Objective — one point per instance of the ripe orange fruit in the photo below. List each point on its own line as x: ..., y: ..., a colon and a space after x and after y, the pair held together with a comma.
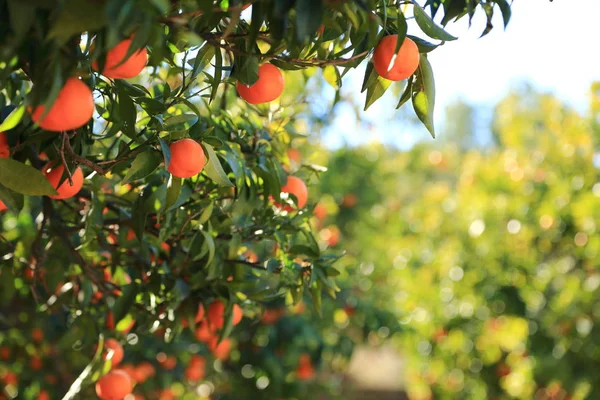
x: 4, y: 146
x: 167, y: 362
x: 36, y: 363
x: 144, y: 371
x: 407, y: 58
x: 196, y: 369
x: 10, y: 378
x: 3, y: 206
x: 114, y: 386
x: 37, y: 335
x: 187, y: 158
x: 116, y: 68
x: 72, y: 109
x: 203, y: 332
x: 4, y: 353
x: 65, y: 191
x: 130, y: 235
x: 220, y: 350
x: 297, y: 187
x: 199, y: 316
x: 216, y: 311
x: 117, y: 351
x: 268, y: 87
x: 305, y: 370
x: 43, y: 395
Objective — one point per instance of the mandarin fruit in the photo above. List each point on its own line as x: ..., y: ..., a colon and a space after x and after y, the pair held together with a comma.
x: 117, y: 351
x: 117, y: 67
x: 187, y: 158
x: 268, y: 87
x: 114, y: 386
x: 216, y: 311
x: 4, y: 146
x: 405, y: 64
x: 65, y: 190
x: 72, y: 109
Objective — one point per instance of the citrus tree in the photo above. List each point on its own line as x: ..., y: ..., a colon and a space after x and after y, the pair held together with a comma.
x: 154, y: 209
x: 488, y: 255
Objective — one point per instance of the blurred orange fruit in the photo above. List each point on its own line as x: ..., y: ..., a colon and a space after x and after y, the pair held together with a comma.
x: 114, y: 386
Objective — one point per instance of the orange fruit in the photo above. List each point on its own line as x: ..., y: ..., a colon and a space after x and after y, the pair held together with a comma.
x: 187, y: 158
x: 130, y: 235
x: 144, y: 371
x: 407, y: 58
x: 10, y: 378
x: 305, y: 370
x: 268, y: 87
x: 195, y: 371
x: 251, y: 256
x: 199, y: 316
x: 117, y: 351
x: 320, y: 211
x: 168, y: 362
x: 4, y: 146
x: 294, y: 155
x: 297, y: 187
x: 43, y: 395
x: 4, y: 353
x: 220, y: 350
x: 203, y: 332
x: 72, y: 109
x: 3, y: 206
x: 114, y: 386
x: 115, y: 67
x: 216, y: 311
x: 65, y: 191
x: 37, y: 335
x: 36, y: 363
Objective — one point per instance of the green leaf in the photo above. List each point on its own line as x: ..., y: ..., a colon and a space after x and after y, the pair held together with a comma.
x: 166, y: 152
x: 181, y: 122
x: 429, y: 27
x: 144, y: 164
x: 406, y: 94
x: 309, y: 17
x: 77, y: 17
x: 12, y: 200
x: 127, y: 111
x: 315, y: 290
x: 205, y: 216
x: 423, y: 45
x: 423, y: 94
x: 22, y: 16
x: 124, y: 303
x: 402, y: 27
x: 13, y: 119
x: 332, y: 76
x: 505, y: 9
x: 245, y: 69
x: 161, y: 5
x: 217, y: 78
x: 214, y: 169
x: 376, y: 90
x: 173, y: 191
x: 24, y: 179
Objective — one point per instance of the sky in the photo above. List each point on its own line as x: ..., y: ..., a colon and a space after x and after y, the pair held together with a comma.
x: 547, y: 44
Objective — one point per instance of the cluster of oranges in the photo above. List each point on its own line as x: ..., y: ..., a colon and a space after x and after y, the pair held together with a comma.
x: 74, y: 107
x: 120, y: 381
